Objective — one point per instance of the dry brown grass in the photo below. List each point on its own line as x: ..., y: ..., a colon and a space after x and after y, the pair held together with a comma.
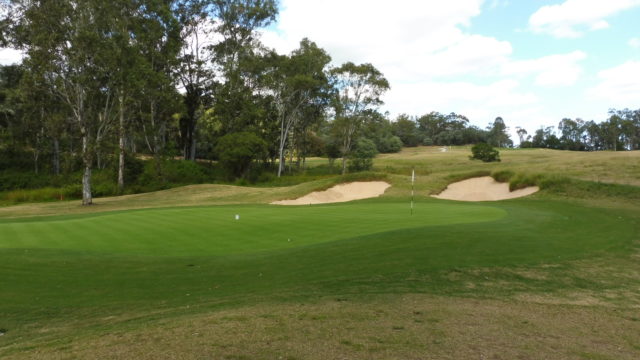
x: 385, y: 327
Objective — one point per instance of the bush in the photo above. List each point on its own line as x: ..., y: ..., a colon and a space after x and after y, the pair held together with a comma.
x: 237, y: 151
x: 332, y: 150
x: 173, y: 172
x: 362, y: 157
x: 484, y: 152
x: 391, y: 144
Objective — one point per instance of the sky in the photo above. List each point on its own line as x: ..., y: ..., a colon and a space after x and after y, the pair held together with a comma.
x: 531, y: 62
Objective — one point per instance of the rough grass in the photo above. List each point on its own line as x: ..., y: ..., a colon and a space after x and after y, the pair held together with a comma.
x: 383, y: 327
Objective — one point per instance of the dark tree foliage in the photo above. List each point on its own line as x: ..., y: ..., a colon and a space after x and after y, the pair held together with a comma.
x: 484, y: 152
x: 362, y: 156
x: 621, y: 131
x: 237, y: 151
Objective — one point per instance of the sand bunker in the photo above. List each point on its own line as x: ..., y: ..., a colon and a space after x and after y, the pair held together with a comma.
x: 482, y: 189
x: 341, y: 193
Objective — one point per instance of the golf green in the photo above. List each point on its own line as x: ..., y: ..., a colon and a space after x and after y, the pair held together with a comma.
x: 217, y: 231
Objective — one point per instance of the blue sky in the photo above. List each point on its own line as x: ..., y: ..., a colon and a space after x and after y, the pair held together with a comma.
x: 532, y: 62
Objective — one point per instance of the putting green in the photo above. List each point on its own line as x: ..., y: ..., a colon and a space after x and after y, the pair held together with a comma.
x: 216, y: 231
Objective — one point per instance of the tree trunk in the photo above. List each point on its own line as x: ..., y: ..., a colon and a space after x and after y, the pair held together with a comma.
x: 192, y: 102
x: 193, y: 143
x: 283, y: 141
x: 36, y: 155
x: 86, y: 158
x: 280, y: 163
x: 346, y: 145
x: 98, y: 159
x: 122, y: 149
x: 56, y: 156
x: 86, y: 185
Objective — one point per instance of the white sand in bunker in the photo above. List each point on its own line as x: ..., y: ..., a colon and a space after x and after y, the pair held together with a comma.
x: 483, y: 189
x: 340, y: 193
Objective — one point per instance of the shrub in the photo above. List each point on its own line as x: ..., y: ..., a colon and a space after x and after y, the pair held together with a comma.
x: 484, y: 152
x: 332, y: 150
x: 237, y: 151
x: 391, y: 144
x: 362, y: 156
x: 173, y: 172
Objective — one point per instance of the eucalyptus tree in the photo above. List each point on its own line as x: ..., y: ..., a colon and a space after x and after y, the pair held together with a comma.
x: 67, y: 42
x: 571, y: 133
x: 498, y: 135
x: 236, y: 22
x: 194, y: 72
x: 238, y: 60
x: 145, y: 40
x: 10, y: 78
x: 299, y: 86
x: 217, y: 34
x: 311, y: 61
x: 159, y: 42
x: 359, y: 88
x: 522, y: 133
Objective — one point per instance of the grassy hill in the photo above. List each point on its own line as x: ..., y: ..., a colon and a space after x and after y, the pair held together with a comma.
x: 173, y: 275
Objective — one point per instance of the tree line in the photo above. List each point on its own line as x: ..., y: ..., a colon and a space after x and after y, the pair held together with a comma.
x: 620, y: 131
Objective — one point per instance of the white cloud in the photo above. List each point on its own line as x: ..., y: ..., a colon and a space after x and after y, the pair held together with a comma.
x: 373, y: 30
x: 619, y: 86
x: 10, y: 56
x: 550, y: 71
x: 433, y: 60
x: 634, y: 43
x: 571, y: 18
x: 481, y: 103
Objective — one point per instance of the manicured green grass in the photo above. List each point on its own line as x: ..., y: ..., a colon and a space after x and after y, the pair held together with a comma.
x: 83, y: 267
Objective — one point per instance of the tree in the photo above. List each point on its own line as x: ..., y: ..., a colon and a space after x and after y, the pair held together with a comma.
x: 498, y: 135
x: 522, y: 133
x: 237, y: 151
x: 358, y: 89
x: 484, y: 152
x: 362, y: 156
x: 405, y: 128
x: 68, y: 43
x: 159, y: 42
x: 194, y: 72
x: 571, y: 134
x: 300, y: 90
x: 234, y: 22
